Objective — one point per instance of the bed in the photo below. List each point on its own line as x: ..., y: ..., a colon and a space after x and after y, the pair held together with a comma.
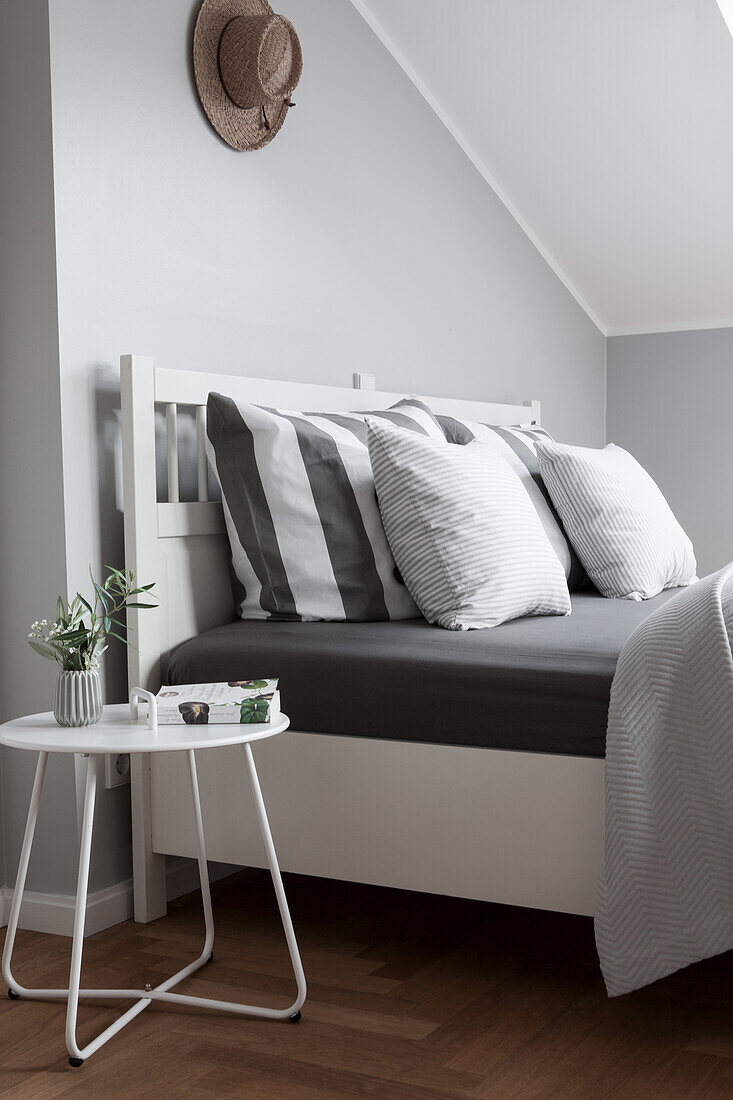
x: 469, y: 764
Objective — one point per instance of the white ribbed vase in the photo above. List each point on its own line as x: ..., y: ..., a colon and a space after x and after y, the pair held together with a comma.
x: 78, y: 699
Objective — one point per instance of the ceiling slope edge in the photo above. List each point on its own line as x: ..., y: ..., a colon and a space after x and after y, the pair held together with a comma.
x: 473, y: 156
x: 668, y: 326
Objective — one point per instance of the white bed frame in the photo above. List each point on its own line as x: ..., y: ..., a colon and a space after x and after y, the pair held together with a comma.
x: 512, y: 827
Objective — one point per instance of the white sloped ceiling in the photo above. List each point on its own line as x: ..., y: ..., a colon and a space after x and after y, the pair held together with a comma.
x: 606, y: 127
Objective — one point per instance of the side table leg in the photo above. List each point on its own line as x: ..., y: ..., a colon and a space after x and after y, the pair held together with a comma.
x: 80, y: 911
x: 162, y: 992
x: 14, y: 989
x: 203, y: 867
x: 277, y: 882
x: 164, y: 988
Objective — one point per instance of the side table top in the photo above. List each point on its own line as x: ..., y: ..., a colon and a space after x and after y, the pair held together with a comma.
x: 118, y: 732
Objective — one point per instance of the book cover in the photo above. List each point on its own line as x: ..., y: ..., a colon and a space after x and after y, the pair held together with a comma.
x: 238, y: 701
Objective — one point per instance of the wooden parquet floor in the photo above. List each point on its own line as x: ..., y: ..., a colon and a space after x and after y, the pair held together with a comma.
x: 410, y: 996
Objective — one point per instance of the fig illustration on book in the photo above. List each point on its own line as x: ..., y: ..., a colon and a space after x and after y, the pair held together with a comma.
x: 194, y: 714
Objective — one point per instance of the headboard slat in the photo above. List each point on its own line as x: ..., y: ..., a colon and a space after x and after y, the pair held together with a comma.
x: 171, y: 435
x: 192, y: 388
x: 202, y: 466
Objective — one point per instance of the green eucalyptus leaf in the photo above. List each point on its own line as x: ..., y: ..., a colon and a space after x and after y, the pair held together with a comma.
x: 45, y: 651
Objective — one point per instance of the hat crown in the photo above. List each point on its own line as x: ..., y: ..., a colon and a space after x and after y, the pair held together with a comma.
x: 260, y: 60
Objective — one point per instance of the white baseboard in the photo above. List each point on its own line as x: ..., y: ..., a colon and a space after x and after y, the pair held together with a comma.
x: 54, y: 913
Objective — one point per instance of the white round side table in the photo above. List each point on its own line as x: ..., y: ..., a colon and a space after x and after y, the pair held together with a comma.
x: 121, y: 731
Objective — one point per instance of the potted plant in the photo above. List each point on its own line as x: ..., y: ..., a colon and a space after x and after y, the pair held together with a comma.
x: 77, y: 638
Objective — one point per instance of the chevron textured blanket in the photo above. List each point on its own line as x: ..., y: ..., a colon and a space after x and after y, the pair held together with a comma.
x: 665, y: 895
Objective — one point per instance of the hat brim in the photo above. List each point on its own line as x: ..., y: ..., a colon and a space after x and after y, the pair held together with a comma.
x: 239, y: 127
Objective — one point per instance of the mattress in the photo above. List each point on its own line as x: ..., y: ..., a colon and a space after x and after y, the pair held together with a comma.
x: 533, y: 685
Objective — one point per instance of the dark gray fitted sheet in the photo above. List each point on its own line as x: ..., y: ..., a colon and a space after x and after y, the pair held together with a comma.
x: 535, y: 684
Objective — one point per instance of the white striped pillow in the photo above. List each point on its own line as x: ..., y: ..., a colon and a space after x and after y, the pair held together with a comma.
x: 518, y: 445
x: 298, y: 493
x: 463, y: 531
x: 621, y: 526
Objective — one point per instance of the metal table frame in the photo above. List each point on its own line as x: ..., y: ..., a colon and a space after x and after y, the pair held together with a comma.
x: 162, y: 992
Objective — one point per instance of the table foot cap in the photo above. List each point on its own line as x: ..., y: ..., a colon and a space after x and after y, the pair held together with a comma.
x: 295, y: 1018
x: 211, y: 956
x: 76, y: 1062
x: 13, y: 995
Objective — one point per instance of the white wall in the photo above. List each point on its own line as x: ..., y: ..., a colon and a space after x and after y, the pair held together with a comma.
x: 361, y: 239
x: 32, y: 553
x: 667, y: 399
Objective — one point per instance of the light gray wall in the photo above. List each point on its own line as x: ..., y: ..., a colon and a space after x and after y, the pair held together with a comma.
x: 4, y: 875
x: 667, y: 396
x: 361, y: 239
x: 32, y: 553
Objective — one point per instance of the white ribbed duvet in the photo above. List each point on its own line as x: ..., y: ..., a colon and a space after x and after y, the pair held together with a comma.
x: 665, y: 896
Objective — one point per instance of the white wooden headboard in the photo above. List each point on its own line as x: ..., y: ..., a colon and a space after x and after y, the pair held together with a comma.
x: 183, y: 547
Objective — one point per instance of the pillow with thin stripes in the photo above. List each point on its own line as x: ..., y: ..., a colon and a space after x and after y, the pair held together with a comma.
x: 298, y: 494
x: 621, y: 526
x: 518, y: 446
x: 463, y: 531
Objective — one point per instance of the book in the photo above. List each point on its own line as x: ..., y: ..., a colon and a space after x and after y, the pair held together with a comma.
x: 238, y: 701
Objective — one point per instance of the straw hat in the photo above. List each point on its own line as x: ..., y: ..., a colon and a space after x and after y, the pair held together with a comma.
x: 247, y: 61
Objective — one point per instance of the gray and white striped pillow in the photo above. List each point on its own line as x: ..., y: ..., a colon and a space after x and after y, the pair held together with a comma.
x: 621, y: 526
x: 301, y: 512
x: 463, y: 531
x: 518, y: 445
